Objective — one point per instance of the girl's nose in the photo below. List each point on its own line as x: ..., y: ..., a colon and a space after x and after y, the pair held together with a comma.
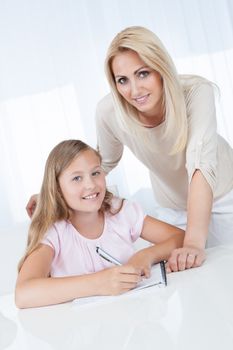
x: 89, y: 182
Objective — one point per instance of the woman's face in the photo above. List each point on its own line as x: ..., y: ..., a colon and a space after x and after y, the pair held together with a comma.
x: 139, y: 85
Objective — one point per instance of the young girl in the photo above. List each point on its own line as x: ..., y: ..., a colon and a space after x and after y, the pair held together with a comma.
x: 74, y: 215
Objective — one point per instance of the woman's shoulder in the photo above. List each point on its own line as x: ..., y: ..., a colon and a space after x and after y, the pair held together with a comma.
x: 105, y: 104
x: 106, y: 114
x: 195, y: 82
x: 193, y: 79
x: 197, y: 88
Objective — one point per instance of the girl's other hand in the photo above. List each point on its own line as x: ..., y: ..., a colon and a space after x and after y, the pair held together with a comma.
x: 142, y: 262
x: 185, y: 258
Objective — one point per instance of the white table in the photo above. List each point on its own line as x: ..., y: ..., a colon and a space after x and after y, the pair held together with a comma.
x: 195, y: 311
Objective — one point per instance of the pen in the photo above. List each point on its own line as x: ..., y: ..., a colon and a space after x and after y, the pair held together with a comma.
x: 107, y: 256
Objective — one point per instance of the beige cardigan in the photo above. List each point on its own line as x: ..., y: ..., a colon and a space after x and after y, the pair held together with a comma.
x: 171, y: 175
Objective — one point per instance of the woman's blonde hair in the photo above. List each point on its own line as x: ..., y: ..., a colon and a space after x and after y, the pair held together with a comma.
x: 51, y: 206
x: 151, y: 50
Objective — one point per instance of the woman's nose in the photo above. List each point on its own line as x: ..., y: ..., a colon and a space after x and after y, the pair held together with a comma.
x: 135, y: 88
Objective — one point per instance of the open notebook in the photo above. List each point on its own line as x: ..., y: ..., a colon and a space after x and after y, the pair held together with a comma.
x: 158, y: 277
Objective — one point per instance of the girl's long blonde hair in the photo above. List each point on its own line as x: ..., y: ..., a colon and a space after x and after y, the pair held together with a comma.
x: 151, y: 50
x: 51, y: 206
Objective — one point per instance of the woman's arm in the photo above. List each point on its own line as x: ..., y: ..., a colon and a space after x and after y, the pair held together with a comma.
x: 35, y: 288
x: 201, y: 158
x: 165, y: 237
x: 200, y: 200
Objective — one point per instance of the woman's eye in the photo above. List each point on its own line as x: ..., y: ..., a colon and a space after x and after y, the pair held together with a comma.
x: 143, y: 74
x: 77, y: 178
x: 95, y: 173
x: 121, y: 81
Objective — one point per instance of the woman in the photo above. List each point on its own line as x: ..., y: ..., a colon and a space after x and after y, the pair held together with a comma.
x: 169, y: 123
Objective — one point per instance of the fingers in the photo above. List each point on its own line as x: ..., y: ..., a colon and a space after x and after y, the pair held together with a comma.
x: 126, y: 286
x: 129, y: 274
x: 168, y: 269
x: 129, y: 269
x: 199, y: 260
x: 142, y: 261
x: 185, y: 258
x: 30, y: 208
x: 130, y: 278
x: 123, y: 278
x: 146, y: 271
x: 31, y: 205
x: 190, y: 261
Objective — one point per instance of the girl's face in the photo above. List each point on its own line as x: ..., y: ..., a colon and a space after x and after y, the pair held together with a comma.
x: 83, y: 183
x: 138, y: 84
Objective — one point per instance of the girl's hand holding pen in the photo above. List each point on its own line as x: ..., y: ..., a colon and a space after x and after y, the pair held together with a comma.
x: 117, y: 280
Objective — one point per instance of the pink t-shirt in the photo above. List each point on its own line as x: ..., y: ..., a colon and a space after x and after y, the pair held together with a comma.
x: 75, y: 254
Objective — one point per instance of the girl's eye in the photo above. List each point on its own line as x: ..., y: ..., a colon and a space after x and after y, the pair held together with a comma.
x: 143, y: 74
x: 77, y: 178
x: 121, y: 81
x: 96, y: 173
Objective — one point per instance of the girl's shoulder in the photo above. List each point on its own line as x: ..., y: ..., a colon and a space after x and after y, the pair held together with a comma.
x: 128, y: 220
x: 57, y: 228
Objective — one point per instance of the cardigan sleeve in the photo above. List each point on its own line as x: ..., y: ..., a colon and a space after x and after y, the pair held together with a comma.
x: 201, y: 151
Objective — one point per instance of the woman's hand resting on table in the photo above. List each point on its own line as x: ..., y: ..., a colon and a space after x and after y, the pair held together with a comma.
x: 185, y: 258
